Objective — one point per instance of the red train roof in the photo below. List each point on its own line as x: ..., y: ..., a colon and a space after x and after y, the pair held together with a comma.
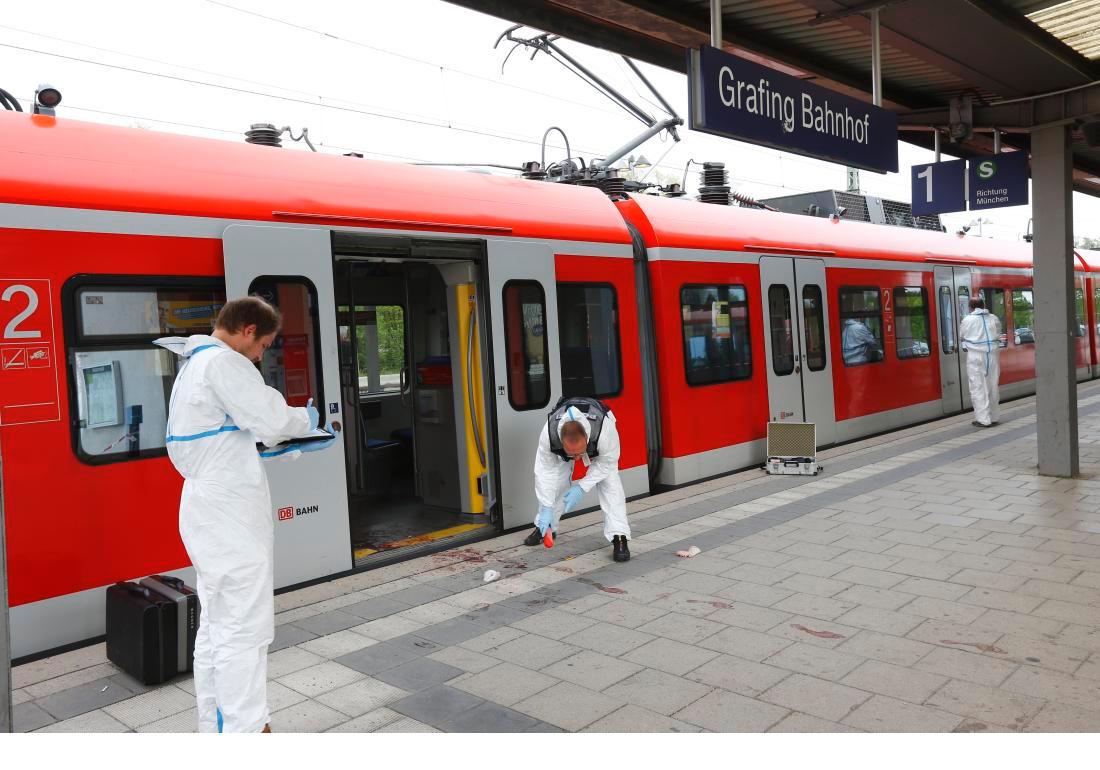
x: 686, y: 224
x: 61, y: 162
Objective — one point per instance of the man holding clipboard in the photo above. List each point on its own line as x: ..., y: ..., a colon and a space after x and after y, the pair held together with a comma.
x: 219, y: 410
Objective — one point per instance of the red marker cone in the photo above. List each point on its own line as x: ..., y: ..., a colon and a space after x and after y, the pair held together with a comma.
x: 548, y: 538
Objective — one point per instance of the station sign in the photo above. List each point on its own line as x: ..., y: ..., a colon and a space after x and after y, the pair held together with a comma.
x: 740, y: 99
x: 938, y: 188
x: 990, y: 182
x: 998, y: 180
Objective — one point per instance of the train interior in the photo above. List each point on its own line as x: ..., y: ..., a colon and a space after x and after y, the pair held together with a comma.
x: 415, y: 439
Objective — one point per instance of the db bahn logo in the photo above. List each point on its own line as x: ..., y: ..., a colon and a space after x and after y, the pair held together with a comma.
x: 288, y: 513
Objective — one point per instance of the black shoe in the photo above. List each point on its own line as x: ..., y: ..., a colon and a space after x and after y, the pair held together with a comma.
x: 977, y: 424
x: 535, y: 538
x: 619, y: 549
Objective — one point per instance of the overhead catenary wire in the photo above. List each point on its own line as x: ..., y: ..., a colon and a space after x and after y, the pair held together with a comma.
x: 370, y: 112
x: 746, y: 148
x: 406, y: 57
x: 322, y: 104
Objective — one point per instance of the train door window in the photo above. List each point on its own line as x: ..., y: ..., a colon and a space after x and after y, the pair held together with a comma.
x: 716, y: 334
x: 1023, y: 316
x: 379, y: 345
x: 964, y: 300
x: 1096, y: 304
x: 860, y: 325
x: 119, y: 380
x: 995, y: 303
x: 588, y: 333
x: 292, y: 365
x: 1079, y: 304
x: 911, y: 321
x: 525, y: 345
x: 947, y: 320
x: 779, y: 320
x: 814, y: 316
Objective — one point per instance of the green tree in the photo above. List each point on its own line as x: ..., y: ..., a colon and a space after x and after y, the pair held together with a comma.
x: 391, y: 338
x: 390, y: 325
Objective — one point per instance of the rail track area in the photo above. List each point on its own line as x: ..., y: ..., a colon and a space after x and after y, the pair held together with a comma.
x: 928, y: 581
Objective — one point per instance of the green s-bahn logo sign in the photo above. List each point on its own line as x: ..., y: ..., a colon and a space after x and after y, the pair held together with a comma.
x: 987, y: 169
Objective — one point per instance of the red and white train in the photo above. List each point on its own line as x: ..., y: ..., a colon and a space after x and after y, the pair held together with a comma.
x: 437, y: 315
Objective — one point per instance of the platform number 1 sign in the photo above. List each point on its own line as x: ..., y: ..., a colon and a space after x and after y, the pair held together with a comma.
x: 29, y: 391
x: 939, y: 188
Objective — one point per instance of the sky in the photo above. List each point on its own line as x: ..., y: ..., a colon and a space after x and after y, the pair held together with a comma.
x: 410, y: 81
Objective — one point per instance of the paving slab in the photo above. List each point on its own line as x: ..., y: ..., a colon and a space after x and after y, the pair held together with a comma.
x: 928, y: 582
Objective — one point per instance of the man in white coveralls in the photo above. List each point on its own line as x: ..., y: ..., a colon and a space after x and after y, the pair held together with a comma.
x: 219, y: 409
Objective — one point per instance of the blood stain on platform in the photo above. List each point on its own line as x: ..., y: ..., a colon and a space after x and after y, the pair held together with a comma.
x: 818, y: 634
x: 602, y: 587
x: 715, y: 605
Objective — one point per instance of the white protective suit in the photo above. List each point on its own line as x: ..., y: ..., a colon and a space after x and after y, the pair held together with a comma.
x: 220, y: 407
x: 980, y: 335
x: 553, y: 476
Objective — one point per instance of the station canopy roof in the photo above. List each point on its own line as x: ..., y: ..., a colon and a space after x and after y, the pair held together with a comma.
x: 1024, y: 63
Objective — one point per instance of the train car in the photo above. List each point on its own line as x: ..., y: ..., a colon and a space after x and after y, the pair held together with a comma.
x: 113, y: 237
x: 750, y: 311
x: 437, y: 316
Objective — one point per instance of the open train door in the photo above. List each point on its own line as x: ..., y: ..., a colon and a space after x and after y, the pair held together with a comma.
x: 525, y: 361
x: 292, y: 268
x: 796, y: 341
x: 952, y: 303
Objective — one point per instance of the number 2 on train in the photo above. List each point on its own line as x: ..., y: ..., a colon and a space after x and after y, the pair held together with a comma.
x: 12, y: 330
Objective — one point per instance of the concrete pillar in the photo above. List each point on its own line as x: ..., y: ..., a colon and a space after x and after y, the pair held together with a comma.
x: 1055, y: 360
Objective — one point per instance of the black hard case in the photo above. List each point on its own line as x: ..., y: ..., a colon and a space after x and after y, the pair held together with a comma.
x: 187, y: 615
x: 142, y: 633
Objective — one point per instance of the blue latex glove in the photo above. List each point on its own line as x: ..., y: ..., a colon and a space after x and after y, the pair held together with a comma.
x: 314, y: 417
x: 544, y: 519
x: 572, y: 496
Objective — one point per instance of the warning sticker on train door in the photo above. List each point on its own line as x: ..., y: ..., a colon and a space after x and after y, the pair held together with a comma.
x: 29, y: 390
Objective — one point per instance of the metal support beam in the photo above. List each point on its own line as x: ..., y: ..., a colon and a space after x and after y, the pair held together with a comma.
x: 716, y: 23
x: 937, y: 140
x: 1055, y: 360
x: 996, y: 142
x: 1030, y: 112
x: 876, y: 60
x: 5, y: 632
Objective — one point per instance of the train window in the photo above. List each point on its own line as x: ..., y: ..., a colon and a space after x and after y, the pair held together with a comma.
x: 861, y: 325
x: 995, y: 303
x: 911, y: 321
x: 525, y: 345
x: 716, y: 334
x: 143, y: 312
x: 588, y: 333
x: 813, y: 316
x: 379, y: 346
x: 119, y: 381
x: 947, y: 320
x: 1079, y: 327
x: 782, y: 333
x: 1023, y: 316
x: 292, y: 365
